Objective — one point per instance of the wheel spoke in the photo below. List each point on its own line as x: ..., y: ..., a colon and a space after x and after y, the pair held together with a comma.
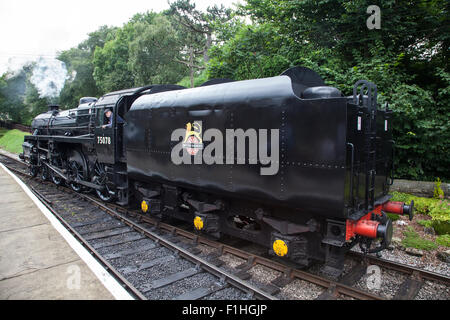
x: 100, y: 179
x: 76, y: 170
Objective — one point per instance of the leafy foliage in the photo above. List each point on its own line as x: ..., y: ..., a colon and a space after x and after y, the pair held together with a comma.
x: 197, y: 29
x: 111, y: 70
x: 438, y: 193
x: 426, y: 223
x: 79, y: 62
x: 437, y: 209
x: 153, y: 53
x: 407, y: 58
x: 393, y: 216
x: 254, y: 52
x: 198, y: 80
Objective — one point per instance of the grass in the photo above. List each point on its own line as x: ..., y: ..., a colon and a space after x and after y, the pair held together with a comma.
x: 393, y: 216
x: 443, y: 240
x: 413, y: 240
x: 426, y: 223
x: 11, y: 140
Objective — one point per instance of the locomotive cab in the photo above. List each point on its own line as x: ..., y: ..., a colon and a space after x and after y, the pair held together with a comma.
x: 108, y: 131
x: 105, y: 135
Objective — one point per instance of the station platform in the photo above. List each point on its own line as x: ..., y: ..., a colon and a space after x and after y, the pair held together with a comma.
x: 39, y: 258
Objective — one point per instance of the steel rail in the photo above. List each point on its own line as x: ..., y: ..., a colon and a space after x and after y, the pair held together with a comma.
x: 230, y: 278
x: 328, y: 284
x: 47, y: 203
x: 125, y: 283
x: 336, y: 287
x: 410, y: 270
x: 207, y: 266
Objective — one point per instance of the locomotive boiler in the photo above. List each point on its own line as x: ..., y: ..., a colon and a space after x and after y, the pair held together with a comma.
x: 286, y: 162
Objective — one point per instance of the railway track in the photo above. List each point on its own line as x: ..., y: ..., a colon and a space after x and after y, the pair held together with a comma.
x: 156, y: 260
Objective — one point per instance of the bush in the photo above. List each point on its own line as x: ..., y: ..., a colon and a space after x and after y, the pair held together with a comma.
x: 438, y: 193
x: 437, y: 209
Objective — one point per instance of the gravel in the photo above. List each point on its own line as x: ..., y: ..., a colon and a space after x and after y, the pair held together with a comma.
x: 433, y: 291
x: 300, y: 290
x: 228, y: 294
x: 206, y: 250
x: 231, y: 261
x: 297, y: 289
x: 111, y: 240
x: 426, y: 262
x: 263, y: 275
x: 389, y: 284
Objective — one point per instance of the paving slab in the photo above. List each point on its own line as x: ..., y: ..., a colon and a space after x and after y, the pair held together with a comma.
x: 44, y: 285
x: 36, y: 262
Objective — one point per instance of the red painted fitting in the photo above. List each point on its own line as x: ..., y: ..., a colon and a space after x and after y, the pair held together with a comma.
x: 366, y: 228
x: 394, y: 207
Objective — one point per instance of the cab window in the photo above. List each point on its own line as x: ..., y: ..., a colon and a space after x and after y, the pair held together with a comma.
x: 100, y: 117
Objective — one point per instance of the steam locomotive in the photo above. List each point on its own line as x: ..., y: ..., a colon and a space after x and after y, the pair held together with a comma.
x: 286, y: 162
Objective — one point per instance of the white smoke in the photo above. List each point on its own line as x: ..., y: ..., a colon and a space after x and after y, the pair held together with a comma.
x: 48, y: 76
x: 13, y: 66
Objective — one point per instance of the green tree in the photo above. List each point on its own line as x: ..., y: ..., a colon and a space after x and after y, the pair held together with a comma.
x: 19, y: 99
x: 414, y: 27
x: 79, y: 63
x: 12, y: 92
x: 254, y: 52
x: 111, y: 71
x: 407, y: 58
x: 98, y: 38
x: 81, y: 82
x: 202, y: 24
x: 33, y: 103
x: 3, y: 84
x: 154, y: 53
x: 197, y: 29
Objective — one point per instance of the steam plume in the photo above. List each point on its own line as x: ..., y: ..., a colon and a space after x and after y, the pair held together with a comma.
x: 49, y: 76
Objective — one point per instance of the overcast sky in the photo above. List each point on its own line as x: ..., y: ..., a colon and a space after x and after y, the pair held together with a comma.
x: 29, y: 29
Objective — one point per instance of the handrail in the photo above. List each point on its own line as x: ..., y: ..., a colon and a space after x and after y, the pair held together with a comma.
x: 351, y: 171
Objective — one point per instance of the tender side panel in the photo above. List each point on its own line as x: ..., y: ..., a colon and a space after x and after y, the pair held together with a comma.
x: 312, y: 143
